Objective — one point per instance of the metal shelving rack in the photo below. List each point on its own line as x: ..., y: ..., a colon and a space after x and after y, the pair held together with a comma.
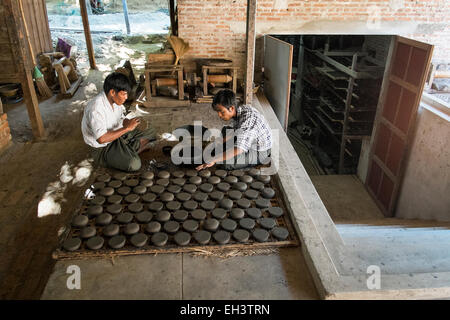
x: 342, y: 112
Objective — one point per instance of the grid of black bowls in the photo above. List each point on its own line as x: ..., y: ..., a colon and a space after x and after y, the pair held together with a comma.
x: 177, y: 208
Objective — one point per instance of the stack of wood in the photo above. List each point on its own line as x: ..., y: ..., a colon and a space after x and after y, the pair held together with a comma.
x: 46, y: 66
x: 58, y: 69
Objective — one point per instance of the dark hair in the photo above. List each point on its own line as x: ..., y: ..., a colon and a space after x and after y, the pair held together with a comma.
x: 116, y: 81
x: 225, y: 98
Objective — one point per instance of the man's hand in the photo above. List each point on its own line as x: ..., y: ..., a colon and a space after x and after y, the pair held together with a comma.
x: 131, y: 124
x: 205, y: 165
x: 127, y: 126
x: 229, y: 154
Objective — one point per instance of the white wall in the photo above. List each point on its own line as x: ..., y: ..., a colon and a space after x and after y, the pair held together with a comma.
x: 425, y: 192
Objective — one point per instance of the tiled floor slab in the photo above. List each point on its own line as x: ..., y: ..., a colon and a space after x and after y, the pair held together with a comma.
x: 130, y: 277
x: 275, y: 276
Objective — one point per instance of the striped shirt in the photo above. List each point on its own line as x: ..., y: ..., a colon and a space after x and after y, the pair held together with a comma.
x: 251, y: 129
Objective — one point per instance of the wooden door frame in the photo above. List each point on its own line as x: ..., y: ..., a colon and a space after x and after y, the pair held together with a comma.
x: 408, y: 137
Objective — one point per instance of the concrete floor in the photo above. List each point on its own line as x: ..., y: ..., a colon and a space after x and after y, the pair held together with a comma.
x: 183, y: 276
x: 345, y: 198
x: 30, y: 179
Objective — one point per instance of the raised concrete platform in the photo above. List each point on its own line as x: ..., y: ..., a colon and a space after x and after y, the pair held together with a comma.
x: 336, y: 258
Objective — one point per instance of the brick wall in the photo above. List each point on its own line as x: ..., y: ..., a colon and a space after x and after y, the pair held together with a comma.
x: 216, y: 28
x: 5, y: 135
x: 206, y: 26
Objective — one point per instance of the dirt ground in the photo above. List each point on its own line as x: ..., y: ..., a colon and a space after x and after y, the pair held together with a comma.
x: 134, y: 6
x: 40, y: 182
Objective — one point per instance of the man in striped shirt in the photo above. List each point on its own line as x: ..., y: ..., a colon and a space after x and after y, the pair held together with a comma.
x: 251, y: 134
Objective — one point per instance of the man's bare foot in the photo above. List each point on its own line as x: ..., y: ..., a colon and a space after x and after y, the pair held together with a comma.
x: 147, y: 145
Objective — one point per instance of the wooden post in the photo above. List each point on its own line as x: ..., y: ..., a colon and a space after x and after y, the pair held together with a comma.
x: 180, y: 84
x: 234, y: 85
x: 125, y: 14
x: 29, y: 94
x: 205, y: 80
x: 172, y: 17
x: 147, y: 86
x: 87, y: 34
x: 250, y: 51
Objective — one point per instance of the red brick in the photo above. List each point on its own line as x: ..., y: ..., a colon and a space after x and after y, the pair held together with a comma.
x: 205, y: 23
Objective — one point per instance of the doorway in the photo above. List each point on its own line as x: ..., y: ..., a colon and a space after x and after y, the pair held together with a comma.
x: 351, y: 106
x: 334, y: 92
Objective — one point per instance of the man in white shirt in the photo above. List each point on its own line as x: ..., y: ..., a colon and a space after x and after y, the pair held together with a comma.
x: 115, y: 141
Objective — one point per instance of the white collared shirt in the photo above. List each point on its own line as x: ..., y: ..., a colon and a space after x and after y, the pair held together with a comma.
x: 99, y: 117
